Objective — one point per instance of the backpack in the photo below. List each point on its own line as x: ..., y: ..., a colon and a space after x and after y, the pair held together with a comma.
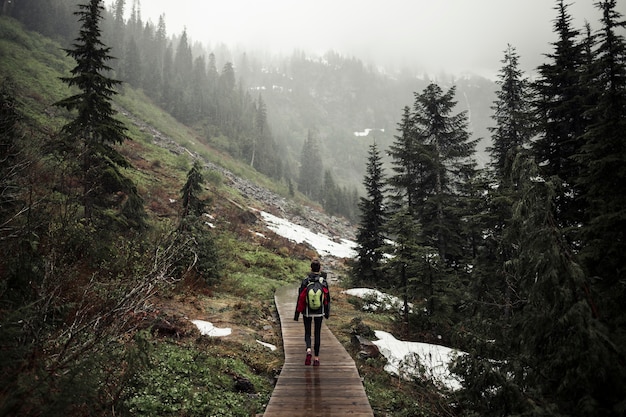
x: 315, y: 297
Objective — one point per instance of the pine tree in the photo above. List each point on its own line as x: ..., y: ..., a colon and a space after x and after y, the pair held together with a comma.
x: 409, y: 269
x: 510, y: 137
x: 561, y: 112
x: 192, y: 204
x: 412, y: 165
x: 331, y: 194
x: 201, y: 257
x: 562, y: 347
x: 550, y: 356
x: 94, y: 131
x: 446, y: 138
x: 370, y: 236
x: 131, y: 67
x: 603, y: 180
x: 311, y: 168
x: 432, y: 162
x: 512, y: 115
x: 263, y: 153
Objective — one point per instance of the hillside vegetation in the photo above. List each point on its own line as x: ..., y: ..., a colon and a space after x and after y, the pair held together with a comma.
x: 99, y: 324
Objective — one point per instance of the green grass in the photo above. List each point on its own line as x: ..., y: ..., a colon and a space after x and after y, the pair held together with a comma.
x: 194, y: 380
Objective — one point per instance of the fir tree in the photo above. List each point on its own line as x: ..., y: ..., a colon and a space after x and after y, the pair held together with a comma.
x: 445, y: 137
x: 604, y: 183
x: 412, y: 165
x: 331, y: 194
x: 201, y: 257
x: 370, y: 236
x: 510, y: 137
x: 432, y: 162
x: 311, y: 168
x: 409, y: 269
x: 94, y: 131
x: 563, y: 358
x: 192, y: 204
x: 512, y: 115
x: 550, y: 356
x: 560, y: 110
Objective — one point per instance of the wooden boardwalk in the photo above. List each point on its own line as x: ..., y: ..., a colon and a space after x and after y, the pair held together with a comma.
x: 332, y: 389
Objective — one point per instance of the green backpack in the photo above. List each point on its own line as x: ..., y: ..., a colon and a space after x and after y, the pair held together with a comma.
x: 315, y: 295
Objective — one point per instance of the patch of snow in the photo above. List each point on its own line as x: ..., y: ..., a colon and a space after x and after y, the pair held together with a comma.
x: 366, y: 132
x: 415, y: 359
x: 323, y: 244
x: 268, y: 345
x: 207, y: 329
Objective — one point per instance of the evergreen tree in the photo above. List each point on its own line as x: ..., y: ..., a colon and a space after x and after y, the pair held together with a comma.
x: 119, y: 27
x: 512, y: 115
x: 412, y: 165
x: 153, y: 53
x: 603, y: 180
x: 199, y: 105
x: 311, y: 168
x: 446, y: 139
x: 201, y: 258
x: 409, y: 269
x: 331, y: 194
x: 192, y: 204
x: 212, y: 79
x: 131, y: 67
x: 561, y: 112
x: 550, y: 356
x: 262, y: 152
x: 370, y: 236
x: 168, y: 88
x: 432, y: 165
x: 510, y: 137
x: 94, y: 130
x: 226, y: 100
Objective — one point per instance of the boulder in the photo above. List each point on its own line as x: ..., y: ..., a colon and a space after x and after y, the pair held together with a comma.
x: 366, y: 348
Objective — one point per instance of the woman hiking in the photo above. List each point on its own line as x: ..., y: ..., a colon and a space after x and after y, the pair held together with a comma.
x: 314, y: 304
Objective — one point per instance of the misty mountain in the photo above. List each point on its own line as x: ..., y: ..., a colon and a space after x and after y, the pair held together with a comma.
x: 348, y: 105
x: 217, y: 90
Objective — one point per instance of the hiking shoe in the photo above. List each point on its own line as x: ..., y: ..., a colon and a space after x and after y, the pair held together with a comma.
x: 316, y: 362
x: 307, y: 361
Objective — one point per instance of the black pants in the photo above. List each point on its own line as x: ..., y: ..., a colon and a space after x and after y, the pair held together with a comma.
x: 318, y: 333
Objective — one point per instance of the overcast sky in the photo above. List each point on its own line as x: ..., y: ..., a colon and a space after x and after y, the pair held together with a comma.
x: 431, y: 35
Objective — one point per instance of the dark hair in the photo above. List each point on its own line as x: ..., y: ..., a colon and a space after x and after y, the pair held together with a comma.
x: 315, y: 265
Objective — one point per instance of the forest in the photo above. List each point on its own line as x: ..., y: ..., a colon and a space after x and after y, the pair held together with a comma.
x: 520, y: 264
x: 518, y: 261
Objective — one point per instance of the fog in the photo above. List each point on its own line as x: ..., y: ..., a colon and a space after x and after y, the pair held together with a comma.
x: 454, y: 36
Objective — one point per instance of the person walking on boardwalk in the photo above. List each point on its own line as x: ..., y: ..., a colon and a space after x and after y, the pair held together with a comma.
x: 314, y: 304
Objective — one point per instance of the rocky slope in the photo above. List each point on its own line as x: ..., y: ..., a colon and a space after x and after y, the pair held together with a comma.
x: 306, y: 216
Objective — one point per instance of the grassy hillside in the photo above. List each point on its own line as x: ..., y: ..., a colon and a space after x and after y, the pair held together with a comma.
x: 89, y: 337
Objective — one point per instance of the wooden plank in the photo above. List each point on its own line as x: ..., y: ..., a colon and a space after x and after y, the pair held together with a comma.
x: 332, y: 389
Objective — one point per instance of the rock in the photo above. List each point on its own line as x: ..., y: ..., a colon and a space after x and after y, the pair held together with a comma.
x: 367, y: 349
x: 244, y: 385
x: 248, y: 217
x: 360, y: 328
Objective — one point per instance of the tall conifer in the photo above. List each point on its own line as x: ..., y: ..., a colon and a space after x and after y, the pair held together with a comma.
x: 94, y: 131
x: 561, y: 113
x: 370, y: 235
x: 603, y: 182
